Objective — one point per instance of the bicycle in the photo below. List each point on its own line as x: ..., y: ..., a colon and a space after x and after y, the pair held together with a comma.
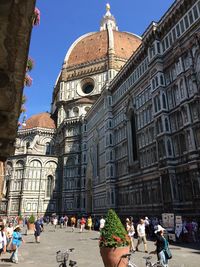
x: 63, y: 258
x: 128, y: 256
x: 150, y: 264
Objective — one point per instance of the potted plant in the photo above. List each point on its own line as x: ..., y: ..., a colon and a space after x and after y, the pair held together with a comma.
x: 31, y: 222
x: 114, y: 241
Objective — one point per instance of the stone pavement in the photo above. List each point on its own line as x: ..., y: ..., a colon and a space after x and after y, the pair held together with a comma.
x: 86, y: 250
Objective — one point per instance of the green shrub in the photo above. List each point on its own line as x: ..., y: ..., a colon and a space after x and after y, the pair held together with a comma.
x: 31, y: 219
x: 113, y: 234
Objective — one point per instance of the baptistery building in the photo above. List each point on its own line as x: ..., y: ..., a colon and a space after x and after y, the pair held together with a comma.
x: 124, y: 126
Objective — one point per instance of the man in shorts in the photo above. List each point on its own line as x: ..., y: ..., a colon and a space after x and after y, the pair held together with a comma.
x: 141, y: 235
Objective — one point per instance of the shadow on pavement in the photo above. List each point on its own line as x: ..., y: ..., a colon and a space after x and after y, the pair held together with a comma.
x: 196, y: 252
x: 195, y: 246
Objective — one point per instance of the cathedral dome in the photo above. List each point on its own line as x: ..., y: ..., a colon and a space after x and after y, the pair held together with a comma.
x: 95, y: 46
x: 41, y: 120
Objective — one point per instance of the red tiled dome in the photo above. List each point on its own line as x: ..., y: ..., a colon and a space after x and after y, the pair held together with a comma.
x: 95, y: 46
x: 41, y: 120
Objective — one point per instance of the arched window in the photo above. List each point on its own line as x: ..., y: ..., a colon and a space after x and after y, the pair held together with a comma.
x: 48, y: 148
x: 166, y: 125
x: 110, y: 139
x: 35, y: 169
x: 164, y: 101
x: 153, y: 84
x: 49, y: 186
x: 156, y: 81
x: 161, y: 80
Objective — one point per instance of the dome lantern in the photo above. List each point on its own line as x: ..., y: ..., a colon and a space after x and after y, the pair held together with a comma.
x: 108, y: 20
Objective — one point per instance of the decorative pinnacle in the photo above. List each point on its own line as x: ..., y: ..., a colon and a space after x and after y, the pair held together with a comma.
x: 108, y: 7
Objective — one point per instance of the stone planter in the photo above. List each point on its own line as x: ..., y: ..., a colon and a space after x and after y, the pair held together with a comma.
x: 112, y: 256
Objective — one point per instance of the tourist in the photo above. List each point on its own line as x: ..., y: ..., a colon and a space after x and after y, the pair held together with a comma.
x: 82, y: 224
x: 65, y: 221
x: 160, y: 246
x: 73, y: 222
x: 9, y: 232
x: 3, y: 241
x: 102, y: 223
x: 141, y: 235
x: 16, y: 242
x: 37, y: 230
x: 89, y: 223
x: 131, y: 231
x: 55, y: 222
x: 61, y: 222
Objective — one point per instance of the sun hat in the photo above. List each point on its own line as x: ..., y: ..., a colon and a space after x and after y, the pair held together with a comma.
x: 17, y: 227
x: 158, y: 228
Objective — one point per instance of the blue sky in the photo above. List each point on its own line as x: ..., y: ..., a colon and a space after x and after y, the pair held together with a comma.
x: 62, y: 22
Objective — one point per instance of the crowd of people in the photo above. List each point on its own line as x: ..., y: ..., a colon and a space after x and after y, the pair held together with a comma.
x: 138, y: 231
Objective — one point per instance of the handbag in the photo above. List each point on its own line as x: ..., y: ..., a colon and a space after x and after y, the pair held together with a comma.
x: 167, y: 251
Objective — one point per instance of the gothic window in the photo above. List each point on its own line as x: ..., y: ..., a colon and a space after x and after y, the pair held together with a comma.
x: 166, y: 125
x: 110, y: 139
x: 164, y: 101
x: 111, y: 171
x: 49, y: 186
x: 169, y: 148
x: 182, y: 89
x: 35, y: 169
x: 161, y: 79
x: 156, y: 79
x: 48, y: 148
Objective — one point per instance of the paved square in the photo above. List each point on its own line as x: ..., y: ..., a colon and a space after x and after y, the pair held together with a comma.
x: 86, y: 250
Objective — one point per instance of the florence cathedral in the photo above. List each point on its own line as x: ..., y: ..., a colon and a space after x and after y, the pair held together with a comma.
x: 124, y: 126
